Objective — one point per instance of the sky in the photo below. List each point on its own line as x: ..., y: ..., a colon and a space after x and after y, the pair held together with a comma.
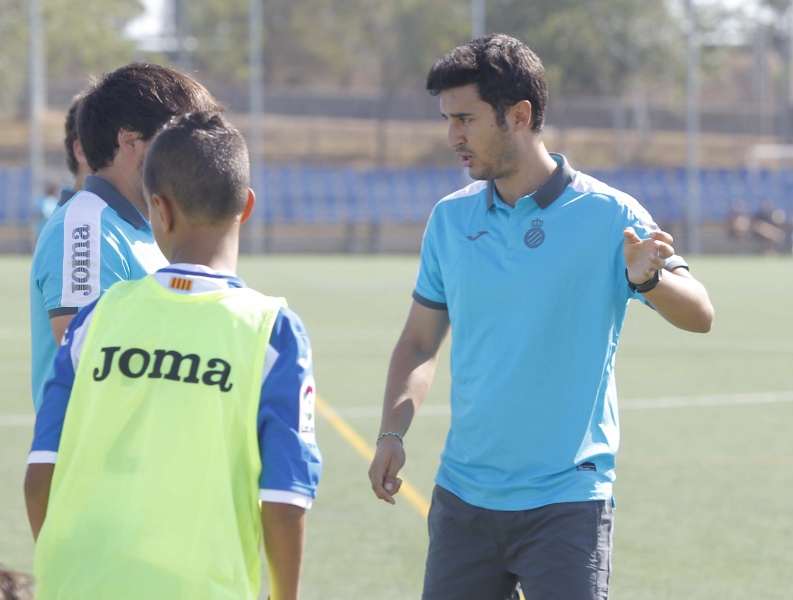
x: 150, y: 23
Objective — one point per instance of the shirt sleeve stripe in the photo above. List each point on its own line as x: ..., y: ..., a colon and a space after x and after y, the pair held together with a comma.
x: 271, y: 355
x: 429, y: 303
x: 39, y: 457
x: 282, y: 497
x: 78, y: 339
x: 63, y: 310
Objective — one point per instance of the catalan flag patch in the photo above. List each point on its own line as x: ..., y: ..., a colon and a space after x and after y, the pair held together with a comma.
x: 179, y: 283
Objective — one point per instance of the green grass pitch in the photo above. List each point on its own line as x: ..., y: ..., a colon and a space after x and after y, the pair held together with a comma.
x: 705, y: 472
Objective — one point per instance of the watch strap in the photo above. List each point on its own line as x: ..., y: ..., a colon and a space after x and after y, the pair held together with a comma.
x: 643, y: 288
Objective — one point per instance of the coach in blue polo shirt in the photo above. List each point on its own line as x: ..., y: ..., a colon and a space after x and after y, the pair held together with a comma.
x: 532, y: 267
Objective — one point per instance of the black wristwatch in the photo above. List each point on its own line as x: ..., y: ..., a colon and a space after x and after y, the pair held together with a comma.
x: 645, y: 287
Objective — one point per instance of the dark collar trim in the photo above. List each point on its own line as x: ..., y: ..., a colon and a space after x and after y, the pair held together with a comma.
x: 115, y: 200
x: 546, y: 194
x: 556, y: 185
x: 65, y: 195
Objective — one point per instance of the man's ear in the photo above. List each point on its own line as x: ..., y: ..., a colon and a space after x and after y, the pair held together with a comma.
x: 77, y: 148
x: 165, y: 211
x: 522, y: 114
x: 126, y: 141
x: 248, y: 206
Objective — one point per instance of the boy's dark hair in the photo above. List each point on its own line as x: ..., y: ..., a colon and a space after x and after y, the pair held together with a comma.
x: 70, y: 135
x: 504, y: 69
x: 200, y: 161
x: 140, y: 97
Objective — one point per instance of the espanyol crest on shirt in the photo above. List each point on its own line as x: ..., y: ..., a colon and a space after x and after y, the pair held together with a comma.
x: 534, y: 236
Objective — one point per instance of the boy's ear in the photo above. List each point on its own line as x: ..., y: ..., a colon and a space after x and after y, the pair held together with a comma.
x: 248, y: 206
x: 164, y: 207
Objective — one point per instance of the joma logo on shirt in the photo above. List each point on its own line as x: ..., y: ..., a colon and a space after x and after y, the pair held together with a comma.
x: 81, y: 259
x: 136, y: 362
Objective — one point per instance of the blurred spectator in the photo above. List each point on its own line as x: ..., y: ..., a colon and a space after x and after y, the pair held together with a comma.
x: 15, y: 586
x: 45, y: 207
x: 739, y: 226
x: 771, y: 226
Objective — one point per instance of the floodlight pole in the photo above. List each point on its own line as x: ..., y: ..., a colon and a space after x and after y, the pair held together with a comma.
x: 38, y: 91
x: 787, y: 105
x: 181, y: 33
x: 256, y: 110
x: 478, y: 19
x: 693, y: 49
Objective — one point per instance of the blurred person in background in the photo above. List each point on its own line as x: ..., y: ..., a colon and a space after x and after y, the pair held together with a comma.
x: 102, y: 235
x: 770, y: 226
x: 739, y: 226
x: 14, y: 585
x: 45, y: 206
x: 531, y: 268
x: 75, y: 159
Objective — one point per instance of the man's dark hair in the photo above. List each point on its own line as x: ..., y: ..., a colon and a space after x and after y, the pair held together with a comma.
x: 139, y: 97
x: 70, y: 135
x: 200, y: 161
x: 504, y: 69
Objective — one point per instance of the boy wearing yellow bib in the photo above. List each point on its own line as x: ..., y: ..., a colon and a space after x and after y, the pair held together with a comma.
x: 179, y: 425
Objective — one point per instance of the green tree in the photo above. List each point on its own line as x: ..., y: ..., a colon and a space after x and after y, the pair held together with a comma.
x: 321, y: 44
x: 80, y: 37
x: 400, y: 40
x: 86, y: 35
x: 13, y: 54
x: 305, y: 42
x: 595, y: 48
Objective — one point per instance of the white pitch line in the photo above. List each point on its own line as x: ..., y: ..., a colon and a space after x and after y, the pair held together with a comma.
x: 16, y: 420
x: 17, y: 367
x: 725, y: 344
x: 443, y: 410
x: 709, y: 401
x: 14, y: 333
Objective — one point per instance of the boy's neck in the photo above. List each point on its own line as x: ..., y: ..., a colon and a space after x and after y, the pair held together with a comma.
x: 216, y: 249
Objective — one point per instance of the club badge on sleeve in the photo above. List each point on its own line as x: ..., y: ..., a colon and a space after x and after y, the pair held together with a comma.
x: 308, y: 396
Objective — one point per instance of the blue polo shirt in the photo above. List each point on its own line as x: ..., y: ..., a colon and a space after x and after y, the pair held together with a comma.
x: 96, y: 239
x: 536, y: 296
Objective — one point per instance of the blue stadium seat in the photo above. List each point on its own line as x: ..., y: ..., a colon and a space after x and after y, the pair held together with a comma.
x: 16, y: 196
x: 298, y: 193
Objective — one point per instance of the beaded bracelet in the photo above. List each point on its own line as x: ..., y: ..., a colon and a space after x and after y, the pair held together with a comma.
x: 386, y: 433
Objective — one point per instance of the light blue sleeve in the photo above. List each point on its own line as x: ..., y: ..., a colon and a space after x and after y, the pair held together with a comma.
x: 633, y: 214
x: 96, y: 247
x: 78, y: 256
x: 48, y: 265
x: 429, y: 289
